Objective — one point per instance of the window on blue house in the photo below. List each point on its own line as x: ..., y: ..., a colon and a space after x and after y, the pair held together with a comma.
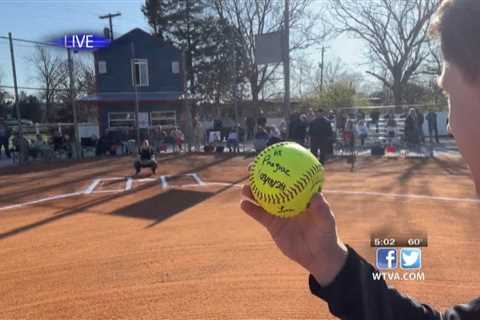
x: 121, y: 119
x: 140, y: 72
x: 175, y: 67
x: 163, y: 118
x: 102, y: 67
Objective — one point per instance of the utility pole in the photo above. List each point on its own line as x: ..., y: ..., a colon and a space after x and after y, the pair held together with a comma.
x: 109, y: 17
x: 17, y: 107
x: 322, y: 66
x: 235, y: 100
x: 286, y: 64
x: 78, y: 154
x: 186, y: 103
x: 135, y: 88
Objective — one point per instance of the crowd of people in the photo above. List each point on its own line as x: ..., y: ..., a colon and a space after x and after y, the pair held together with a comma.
x: 338, y: 274
x: 318, y: 130
x: 36, y: 146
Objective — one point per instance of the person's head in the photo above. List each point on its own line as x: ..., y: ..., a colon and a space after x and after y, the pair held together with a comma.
x: 457, y: 24
x: 145, y: 144
x: 412, y: 112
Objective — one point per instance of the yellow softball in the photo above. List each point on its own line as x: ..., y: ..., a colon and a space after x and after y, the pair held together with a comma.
x: 284, y: 177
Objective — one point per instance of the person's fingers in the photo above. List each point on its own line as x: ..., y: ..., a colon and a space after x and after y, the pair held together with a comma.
x: 247, y: 192
x: 318, y: 202
x: 319, y: 210
x: 257, y: 213
x: 319, y: 206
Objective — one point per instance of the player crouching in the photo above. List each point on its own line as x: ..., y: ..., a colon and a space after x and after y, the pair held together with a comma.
x: 146, y: 158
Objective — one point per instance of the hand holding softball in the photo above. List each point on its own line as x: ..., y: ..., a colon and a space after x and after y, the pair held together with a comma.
x: 284, y: 177
x: 310, y: 238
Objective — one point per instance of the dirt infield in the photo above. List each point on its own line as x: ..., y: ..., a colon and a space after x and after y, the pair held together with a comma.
x: 75, y: 244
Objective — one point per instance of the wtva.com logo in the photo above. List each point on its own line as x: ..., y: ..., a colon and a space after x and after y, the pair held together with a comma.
x: 405, y: 258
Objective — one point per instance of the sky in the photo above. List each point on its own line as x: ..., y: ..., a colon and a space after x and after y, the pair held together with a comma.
x: 39, y: 20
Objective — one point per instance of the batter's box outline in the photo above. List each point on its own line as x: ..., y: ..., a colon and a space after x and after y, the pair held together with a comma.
x: 129, y: 182
x: 195, y: 177
x: 91, y: 188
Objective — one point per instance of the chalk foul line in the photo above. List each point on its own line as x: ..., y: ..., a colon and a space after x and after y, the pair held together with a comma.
x: 199, y: 184
x: 30, y: 203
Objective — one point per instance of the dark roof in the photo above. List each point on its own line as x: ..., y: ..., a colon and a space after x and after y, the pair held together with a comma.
x: 137, y: 34
x: 130, y: 96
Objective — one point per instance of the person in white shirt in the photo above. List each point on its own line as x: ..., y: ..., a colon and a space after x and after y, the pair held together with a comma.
x: 362, y: 130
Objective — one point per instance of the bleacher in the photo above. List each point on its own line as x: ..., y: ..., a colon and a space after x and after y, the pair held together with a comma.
x: 382, y: 134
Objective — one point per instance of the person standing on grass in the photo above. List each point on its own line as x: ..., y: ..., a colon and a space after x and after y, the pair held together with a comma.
x: 179, y: 138
x: 298, y: 129
x: 432, y: 126
x: 391, y: 127
x: 302, y: 129
x: 362, y: 130
x: 420, y: 121
x: 321, y: 134
x: 375, y: 117
x: 338, y: 274
x: 4, y: 138
x: 411, y: 129
x: 198, y: 134
x: 262, y: 120
x: 250, y: 123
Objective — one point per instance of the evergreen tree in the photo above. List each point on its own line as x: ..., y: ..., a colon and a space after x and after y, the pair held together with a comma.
x: 222, y: 60
x: 179, y: 21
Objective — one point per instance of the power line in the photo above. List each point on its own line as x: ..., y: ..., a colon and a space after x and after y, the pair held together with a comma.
x: 31, y: 88
x: 31, y: 41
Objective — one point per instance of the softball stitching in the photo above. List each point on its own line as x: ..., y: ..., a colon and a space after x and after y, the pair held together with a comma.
x: 287, y: 194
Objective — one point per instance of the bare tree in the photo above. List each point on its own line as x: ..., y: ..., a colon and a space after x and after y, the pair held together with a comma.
x: 253, y: 17
x: 433, y: 65
x: 432, y: 69
x: 395, y: 32
x: 51, y: 73
x: 302, y: 74
x: 335, y: 70
x: 84, y: 84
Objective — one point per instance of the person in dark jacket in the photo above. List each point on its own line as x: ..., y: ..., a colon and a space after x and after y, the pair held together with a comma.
x: 250, y: 123
x: 432, y: 126
x: 321, y: 135
x: 420, y: 121
x: 4, y: 138
x: 261, y: 120
x: 412, y: 136
x: 298, y: 129
x: 338, y: 274
x: 375, y: 117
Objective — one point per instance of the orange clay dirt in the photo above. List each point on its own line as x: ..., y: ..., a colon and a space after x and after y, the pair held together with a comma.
x: 78, y: 245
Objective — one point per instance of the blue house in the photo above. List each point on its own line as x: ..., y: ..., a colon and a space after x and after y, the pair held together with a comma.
x: 137, y: 68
